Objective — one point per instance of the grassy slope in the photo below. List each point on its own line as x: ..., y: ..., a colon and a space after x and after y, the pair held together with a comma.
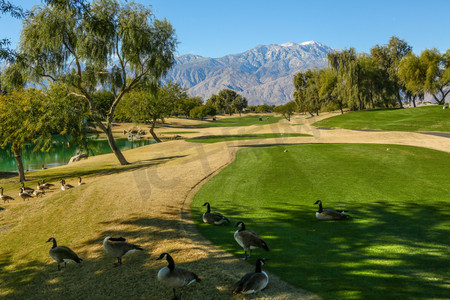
x: 242, y: 121
x: 426, y: 118
x: 395, y: 246
x: 231, y: 137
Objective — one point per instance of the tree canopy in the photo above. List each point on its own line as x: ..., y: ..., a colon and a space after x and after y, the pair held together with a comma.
x: 117, y: 47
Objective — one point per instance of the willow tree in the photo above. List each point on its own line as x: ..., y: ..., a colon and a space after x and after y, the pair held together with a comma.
x: 105, y: 45
x: 7, y: 7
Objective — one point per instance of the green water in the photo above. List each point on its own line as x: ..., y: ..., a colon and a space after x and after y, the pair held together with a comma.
x: 60, y: 154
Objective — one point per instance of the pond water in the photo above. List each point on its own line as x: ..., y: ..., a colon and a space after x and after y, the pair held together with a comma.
x: 60, y: 154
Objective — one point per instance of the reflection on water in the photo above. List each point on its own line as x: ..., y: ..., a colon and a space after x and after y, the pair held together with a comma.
x: 60, y: 154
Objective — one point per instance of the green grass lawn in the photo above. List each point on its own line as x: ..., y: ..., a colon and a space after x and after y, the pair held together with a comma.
x: 425, y: 118
x: 242, y: 121
x: 395, y: 246
x: 234, y: 137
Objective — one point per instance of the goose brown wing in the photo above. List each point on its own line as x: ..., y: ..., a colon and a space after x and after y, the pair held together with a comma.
x: 251, y: 238
x: 239, y: 286
x: 214, y: 217
x: 335, y: 214
x: 63, y: 252
x: 255, y: 282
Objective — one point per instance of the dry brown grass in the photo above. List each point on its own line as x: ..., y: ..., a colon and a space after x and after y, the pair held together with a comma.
x: 149, y: 205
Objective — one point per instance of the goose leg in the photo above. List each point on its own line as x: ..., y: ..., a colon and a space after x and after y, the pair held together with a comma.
x: 250, y: 253
x: 59, y: 267
x: 119, y: 262
x: 245, y: 255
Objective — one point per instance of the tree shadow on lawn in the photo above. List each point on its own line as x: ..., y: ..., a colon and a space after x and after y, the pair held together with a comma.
x: 386, y: 250
x: 97, y: 278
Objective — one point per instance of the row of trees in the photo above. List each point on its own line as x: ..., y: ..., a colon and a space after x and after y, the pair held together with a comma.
x: 386, y: 77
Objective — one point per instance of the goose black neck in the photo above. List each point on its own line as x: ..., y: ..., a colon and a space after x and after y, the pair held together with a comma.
x: 54, y: 244
x: 208, y: 208
x: 171, y: 262
x: 258, y: 267
x: 242, y: 227
x: 320, y: 207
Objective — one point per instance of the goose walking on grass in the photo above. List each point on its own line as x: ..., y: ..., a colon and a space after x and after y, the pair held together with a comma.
x: 48, y: 185
x: 79, y: 181
x: 118, y: 247
x: 175, y: 277
x: 4, y: 197
x: 62, y: 254
x: 248, y: 240
x: 213, y: 218
x: 39, y: 193
x: 65, y: 186
x: 330, y: 214
x: 252, y: 282
x: 41, y: 187
x: 26, y: 188
x: 24, y: 195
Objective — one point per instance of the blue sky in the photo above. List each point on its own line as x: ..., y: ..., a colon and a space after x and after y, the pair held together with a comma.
x: 215, y: 28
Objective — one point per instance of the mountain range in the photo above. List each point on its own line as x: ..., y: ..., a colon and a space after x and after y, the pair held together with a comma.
x: 264, y: 74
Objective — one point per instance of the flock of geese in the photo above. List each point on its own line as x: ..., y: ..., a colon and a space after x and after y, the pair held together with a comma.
x: 26, y: 192
x: 171, y: 275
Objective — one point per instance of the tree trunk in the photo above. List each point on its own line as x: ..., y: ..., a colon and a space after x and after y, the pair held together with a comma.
x: 16, y: 149
x: 112, y: 143
x: 153, y: 133
x: 414, y: 100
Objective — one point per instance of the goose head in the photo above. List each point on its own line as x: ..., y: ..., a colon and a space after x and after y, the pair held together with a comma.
x: 164, y: 255
x: 50, y: 240
x: 240, y: 224
x: 318, y: 202
x: 206, y: 204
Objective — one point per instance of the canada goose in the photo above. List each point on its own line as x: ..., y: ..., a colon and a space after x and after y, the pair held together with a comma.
x: 79, y: 181
x: 62, y: 254
x: 213, y: 218
x: 43, y: 167
x: 26, y: 189
x: 65, y: 186
x: 41, y: 186
x: 252, y: 282
x: 175, y: 277
x: 48, y: 185
x: 330, y: 214
x: 5, y: 197
x: 39, y: 193
x: 118, y: 247
x: 24, y: 195
x: 248, y: 239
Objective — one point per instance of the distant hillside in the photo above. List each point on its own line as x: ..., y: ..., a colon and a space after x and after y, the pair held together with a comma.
x: 263, y: 74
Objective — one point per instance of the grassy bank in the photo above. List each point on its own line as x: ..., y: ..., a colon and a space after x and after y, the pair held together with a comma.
x: 235, y: 137
x: 394, y: 247
x: 242, y: 121
x: 426, y: 118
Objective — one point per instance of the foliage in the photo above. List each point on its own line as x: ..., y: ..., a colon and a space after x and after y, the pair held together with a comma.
x: 243, y: 121
x: 116, y: 46
x: 286, y: 110
x: 7, y: 7
x: 228, y: 101
x: 200, y: 112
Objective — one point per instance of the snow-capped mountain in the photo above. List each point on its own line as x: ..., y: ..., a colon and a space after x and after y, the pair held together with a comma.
x: 263, y: 74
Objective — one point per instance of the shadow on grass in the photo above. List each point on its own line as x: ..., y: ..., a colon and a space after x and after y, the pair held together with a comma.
x: 97, y: 278
x: 385, y: 251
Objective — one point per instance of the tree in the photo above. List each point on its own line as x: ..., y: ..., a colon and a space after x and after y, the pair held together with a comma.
x: 286, y: 110
x: 116, y: 46
x: 306, y: 95
x: 200, y: 112
x: 437, y: 79
x: 239, y: 103
x: 34, y: 116
x: 16, y: 12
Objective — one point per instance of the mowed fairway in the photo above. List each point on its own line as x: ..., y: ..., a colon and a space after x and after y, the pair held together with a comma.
x: 395, y: 246
x: 426, y: 118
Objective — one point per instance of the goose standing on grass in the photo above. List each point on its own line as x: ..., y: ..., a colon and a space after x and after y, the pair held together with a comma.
x: 175, y: 277
x: 48, y: 185
x: 213, y: 218
x: 65, y: 186
x: 118, y: 247
x: 24, y: 195
x: 253, y: 282
x: 330, y: 214
x: 26, y: 189
x: 79, y: 181
x: 41, y: 187
x: 39, y: 193
x: 4, y: 197
x: 248, y: 240
x: 62, y: 254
